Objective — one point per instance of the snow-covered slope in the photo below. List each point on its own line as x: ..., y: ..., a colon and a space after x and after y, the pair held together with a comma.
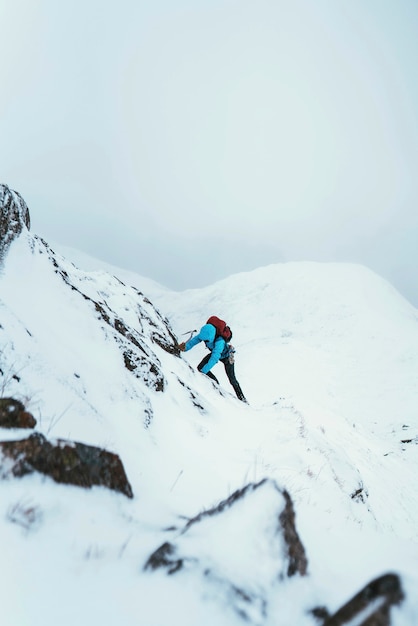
x: 327, y: 356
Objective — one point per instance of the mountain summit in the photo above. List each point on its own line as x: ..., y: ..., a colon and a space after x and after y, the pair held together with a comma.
x: 136, y: 492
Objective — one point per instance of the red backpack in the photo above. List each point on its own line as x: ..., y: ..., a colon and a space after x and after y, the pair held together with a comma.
x: 222, y: 330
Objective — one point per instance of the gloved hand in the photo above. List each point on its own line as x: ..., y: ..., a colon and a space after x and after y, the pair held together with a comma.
x: 182, y: 346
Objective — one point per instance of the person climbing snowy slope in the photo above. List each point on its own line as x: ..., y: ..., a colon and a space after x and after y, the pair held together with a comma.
x: 217, y: 337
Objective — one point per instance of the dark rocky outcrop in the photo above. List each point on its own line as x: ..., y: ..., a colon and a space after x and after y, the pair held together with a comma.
x: 298, y: 563
x: 196, y: 401
x: 371, y: 606
x: 14, y: 415
x: 164, y: 556
x: 286, y: 526
x: 294, y: 552
x: 144, y: 369
x: 161, y: 334
x: 133, y: 342
x: 14, y: 216
x: 65, y: 462
x: 263, y: 520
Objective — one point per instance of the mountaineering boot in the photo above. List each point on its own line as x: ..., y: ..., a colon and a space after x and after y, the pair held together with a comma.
x: 239, y: 393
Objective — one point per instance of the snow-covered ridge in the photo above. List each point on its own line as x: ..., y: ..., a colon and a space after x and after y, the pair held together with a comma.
x: 327, y: 356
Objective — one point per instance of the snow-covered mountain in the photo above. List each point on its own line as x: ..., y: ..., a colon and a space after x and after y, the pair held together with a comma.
x: 203, y: 510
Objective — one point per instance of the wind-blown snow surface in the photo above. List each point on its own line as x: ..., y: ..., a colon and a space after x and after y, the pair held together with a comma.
x: 327, y: 356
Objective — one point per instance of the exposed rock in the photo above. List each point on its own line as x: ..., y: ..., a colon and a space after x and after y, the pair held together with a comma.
x: 295, y: 552
x: 197, y: 402
x: 14, y: 216
x: 169, y: 346
x: 320, y: 613
x: 371, y: 606
x: 244, y: 546
x: 298, y: 563
x: 144, y: 369
x: 162, y: 333
x: 65, y: 461
x: 360, y: 494
x: 133, y: 339
x: 14, y: 415
x: 164, y: 556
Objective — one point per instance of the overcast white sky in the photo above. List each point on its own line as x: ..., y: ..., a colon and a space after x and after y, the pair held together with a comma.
x: 191, y: 139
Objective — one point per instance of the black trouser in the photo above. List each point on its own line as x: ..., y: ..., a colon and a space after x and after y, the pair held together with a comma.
x: 230, y: 372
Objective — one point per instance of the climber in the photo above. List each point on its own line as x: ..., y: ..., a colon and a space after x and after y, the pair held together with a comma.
x: 217, y: 337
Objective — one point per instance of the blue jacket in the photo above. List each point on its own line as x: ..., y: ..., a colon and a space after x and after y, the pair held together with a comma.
x: 217, y: 345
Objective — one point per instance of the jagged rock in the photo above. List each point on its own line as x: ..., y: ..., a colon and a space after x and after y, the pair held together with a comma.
x: 371, y: 606
x: 196, y: 401
x: 137, y: 356
x: 162, y: 333
x: 14, y: 415
x: 144, y: 369
x: 169, y: 346
x: 298, y: 563
x: 164, y: 557
x: 245, y: 546
x: 14, y: 216
x: 65, y: 461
